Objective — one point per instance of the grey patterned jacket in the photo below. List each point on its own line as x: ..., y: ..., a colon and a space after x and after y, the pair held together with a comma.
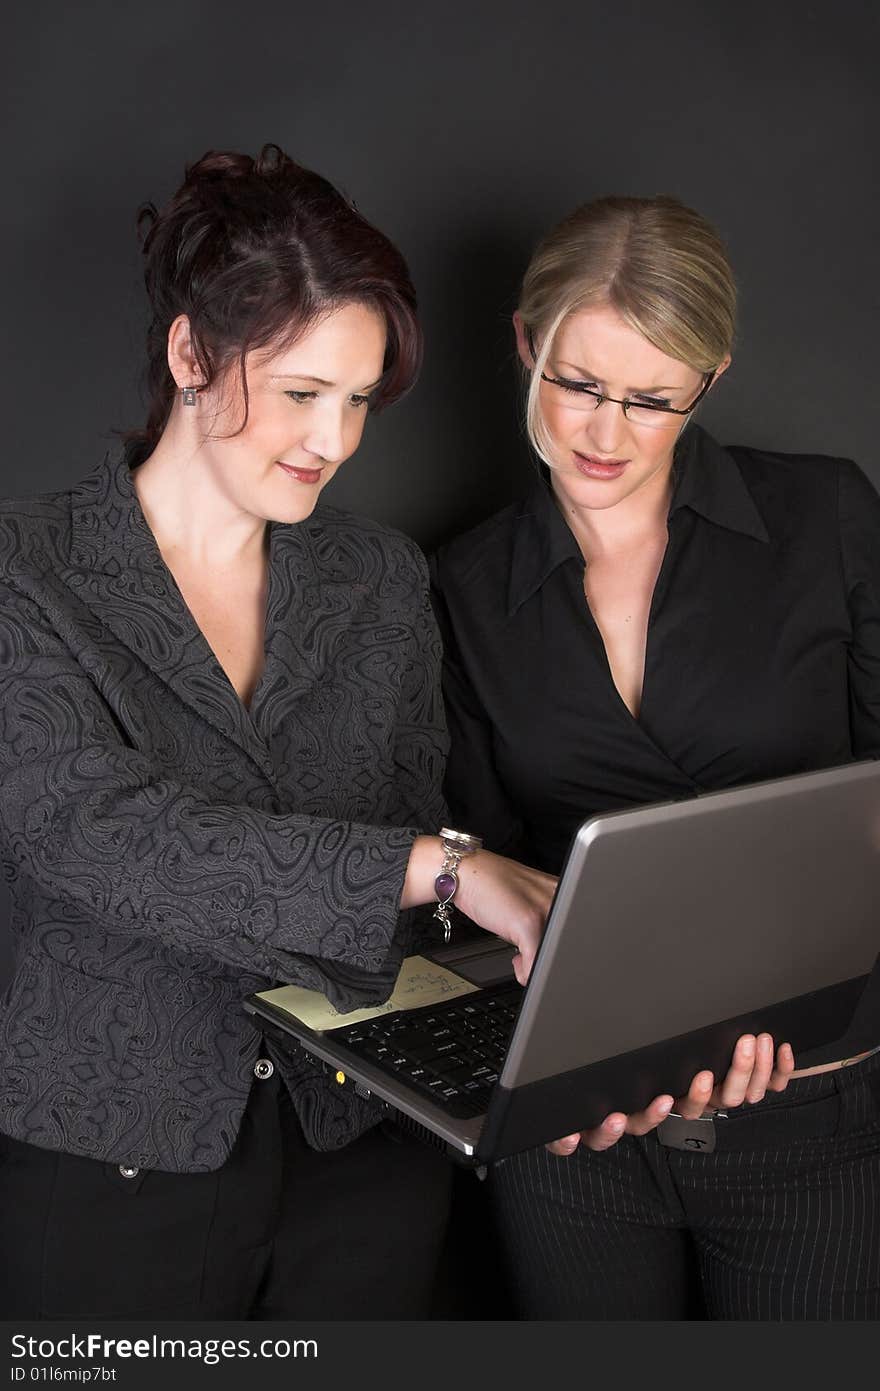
x: 169, y: 851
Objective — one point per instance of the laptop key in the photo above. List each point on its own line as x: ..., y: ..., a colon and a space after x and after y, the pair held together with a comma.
x: 417, y: 1073
x: 423, y: 1051
x: 373, y: 1049
x: 408, y: 1040
x: 442, y: 1063
x: 458, y: 1075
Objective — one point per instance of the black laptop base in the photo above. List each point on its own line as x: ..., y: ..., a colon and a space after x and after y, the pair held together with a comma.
x: 452, y: 1053
x: 395, y: 1116
x: 449, y: 1053
x: 522, y: 1117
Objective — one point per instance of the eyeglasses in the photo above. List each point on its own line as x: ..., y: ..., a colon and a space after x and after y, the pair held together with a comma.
x: 583, y: 397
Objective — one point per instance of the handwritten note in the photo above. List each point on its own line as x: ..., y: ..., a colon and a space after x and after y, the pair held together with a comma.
x: 420, y: 982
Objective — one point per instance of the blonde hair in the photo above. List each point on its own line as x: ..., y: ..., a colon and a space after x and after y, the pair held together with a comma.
x: 659, y: 264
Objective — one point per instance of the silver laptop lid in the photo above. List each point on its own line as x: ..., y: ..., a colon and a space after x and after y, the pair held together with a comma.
x: 674, y: 917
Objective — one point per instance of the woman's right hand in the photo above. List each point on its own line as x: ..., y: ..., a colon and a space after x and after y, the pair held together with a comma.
x: 500, y: 895
x: 509, y: 899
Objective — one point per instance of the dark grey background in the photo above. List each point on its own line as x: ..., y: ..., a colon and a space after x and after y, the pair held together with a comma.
x: 464, y: 131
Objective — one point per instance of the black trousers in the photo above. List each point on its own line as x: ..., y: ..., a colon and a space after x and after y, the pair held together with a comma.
x: 278, y: 1232
x: 780, y: 1222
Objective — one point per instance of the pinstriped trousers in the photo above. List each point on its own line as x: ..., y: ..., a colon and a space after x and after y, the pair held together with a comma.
x: 779, y: 1225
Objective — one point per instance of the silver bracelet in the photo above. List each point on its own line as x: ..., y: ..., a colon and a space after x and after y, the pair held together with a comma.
x: 456, y: 844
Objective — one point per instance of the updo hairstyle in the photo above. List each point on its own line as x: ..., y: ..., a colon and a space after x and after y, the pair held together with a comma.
x: 255, y: 252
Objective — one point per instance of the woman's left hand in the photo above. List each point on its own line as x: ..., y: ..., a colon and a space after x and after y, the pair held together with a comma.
x: 754, y: 1071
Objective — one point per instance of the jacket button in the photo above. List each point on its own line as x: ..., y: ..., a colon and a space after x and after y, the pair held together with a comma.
x: 263, y: 1069
x: 129, y: 1170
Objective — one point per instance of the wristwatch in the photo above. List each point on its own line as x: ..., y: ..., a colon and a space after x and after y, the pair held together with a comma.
x: 456, y: 845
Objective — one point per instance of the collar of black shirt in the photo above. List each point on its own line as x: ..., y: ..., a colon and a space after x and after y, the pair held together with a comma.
x: 706, y: 479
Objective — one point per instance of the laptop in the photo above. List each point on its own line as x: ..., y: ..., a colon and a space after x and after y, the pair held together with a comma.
x: 674, y: 928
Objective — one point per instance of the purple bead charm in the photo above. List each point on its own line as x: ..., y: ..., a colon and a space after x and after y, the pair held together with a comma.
x: 445, y: 886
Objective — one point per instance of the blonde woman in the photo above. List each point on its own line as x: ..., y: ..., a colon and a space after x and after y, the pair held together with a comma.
x: 662, y: 616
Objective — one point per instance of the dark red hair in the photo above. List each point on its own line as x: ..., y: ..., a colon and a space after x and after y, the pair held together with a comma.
x: 254, y: 252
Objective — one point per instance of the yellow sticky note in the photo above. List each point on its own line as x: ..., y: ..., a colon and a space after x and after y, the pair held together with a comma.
x: 419, y: 983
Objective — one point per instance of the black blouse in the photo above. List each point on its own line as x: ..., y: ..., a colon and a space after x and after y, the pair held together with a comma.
x: 763, y: 650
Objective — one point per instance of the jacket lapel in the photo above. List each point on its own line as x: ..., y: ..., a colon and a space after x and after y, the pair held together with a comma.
x: 118, y: 572
x: 292, y: 657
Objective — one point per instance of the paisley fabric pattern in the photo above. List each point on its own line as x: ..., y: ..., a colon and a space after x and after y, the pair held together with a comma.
x: 169, y: 851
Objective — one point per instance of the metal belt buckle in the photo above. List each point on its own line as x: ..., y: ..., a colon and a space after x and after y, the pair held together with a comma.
x: 697, y: 1136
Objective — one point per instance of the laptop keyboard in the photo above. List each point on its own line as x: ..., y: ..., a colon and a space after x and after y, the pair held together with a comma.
x: 451, y: 1053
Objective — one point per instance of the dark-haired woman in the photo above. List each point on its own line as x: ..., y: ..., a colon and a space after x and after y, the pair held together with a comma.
x: 221, y: 754
x: 661, y: 616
